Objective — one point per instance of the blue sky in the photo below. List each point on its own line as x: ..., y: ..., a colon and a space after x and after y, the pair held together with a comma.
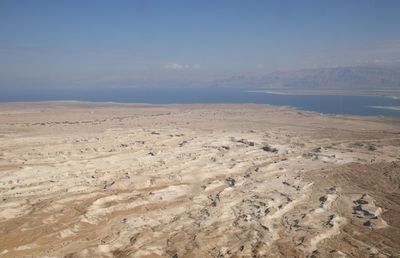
x: 86, y: 43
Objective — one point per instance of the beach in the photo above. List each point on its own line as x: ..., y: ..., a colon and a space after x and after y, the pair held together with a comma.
x: 111, y: 180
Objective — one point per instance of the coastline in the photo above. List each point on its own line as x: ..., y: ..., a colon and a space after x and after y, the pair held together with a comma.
x: 396, y: 108
x: 368, y: 93
x: 65, y: 104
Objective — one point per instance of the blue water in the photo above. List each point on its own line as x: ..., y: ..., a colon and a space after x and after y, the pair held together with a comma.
x: 353, y: 105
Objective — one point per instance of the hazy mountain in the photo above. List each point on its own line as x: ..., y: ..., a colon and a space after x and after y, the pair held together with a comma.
x: 383, y: 77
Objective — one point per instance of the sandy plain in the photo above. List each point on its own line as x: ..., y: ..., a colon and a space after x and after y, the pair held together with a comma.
x: 107, y: 180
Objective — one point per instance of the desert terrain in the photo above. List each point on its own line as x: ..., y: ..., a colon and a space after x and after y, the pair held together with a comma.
x: 108, y: 180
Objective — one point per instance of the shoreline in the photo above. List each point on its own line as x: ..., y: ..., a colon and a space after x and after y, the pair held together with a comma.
x: 395, y: 108
x: 108, y: 104
x: 392, y: 95
x: 77, y: 103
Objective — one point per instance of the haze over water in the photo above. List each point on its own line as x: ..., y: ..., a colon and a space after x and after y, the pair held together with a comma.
x: 174, y: 51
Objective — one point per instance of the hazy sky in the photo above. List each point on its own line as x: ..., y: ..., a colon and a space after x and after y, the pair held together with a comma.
x: 85, y: 43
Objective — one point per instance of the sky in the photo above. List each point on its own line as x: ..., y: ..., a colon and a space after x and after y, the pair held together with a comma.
x: 90, y: 43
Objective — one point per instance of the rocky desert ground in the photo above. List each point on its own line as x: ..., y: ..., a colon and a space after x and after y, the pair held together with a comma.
x: 108, y: 180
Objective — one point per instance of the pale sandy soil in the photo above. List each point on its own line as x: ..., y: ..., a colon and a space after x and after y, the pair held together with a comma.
x: 97, y: 180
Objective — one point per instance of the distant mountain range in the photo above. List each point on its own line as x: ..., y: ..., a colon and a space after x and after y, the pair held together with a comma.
x: 357, y: 78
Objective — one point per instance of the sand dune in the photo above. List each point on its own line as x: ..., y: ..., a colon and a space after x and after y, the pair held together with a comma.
x: 102, y: 180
